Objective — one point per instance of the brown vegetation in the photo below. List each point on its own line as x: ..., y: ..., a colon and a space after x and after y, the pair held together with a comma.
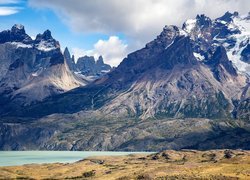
x: 185, y: 164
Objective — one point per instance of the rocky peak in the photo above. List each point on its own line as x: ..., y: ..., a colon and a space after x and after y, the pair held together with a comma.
x: 18, y: 28
x: 169, y: 33
x: 16, y: 34
x: 248, y: 16
x: 70, y: 61
x: 203, y: 21
x: 89, y: 67
x: 165, y: 39
x: 45, y: 42
x: 66, y: 52
x: 87, y: 60
x: 100, y: 61
x: 198, y: 25
x: 228, y: 17
x: 101, y: 65
x: 45, y: 36
x: 73, y: 58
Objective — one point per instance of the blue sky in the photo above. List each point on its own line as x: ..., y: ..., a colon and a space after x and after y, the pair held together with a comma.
x: 38, y: 20
x: 110, y: 28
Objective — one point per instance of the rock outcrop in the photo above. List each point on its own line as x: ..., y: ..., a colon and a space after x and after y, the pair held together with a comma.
x: 89, y: 67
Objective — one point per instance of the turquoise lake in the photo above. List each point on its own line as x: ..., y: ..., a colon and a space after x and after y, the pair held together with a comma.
x: 13, y: 158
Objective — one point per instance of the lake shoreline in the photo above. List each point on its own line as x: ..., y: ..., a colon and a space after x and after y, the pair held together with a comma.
x: 170, y: 164
x: 16, y: 158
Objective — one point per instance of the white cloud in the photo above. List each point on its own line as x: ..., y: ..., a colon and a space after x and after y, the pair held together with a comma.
x: 113, y: 50
x: 139, y: 20
x: 6, y: 11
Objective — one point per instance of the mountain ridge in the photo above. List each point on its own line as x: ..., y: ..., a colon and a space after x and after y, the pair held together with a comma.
x: 187, y: 88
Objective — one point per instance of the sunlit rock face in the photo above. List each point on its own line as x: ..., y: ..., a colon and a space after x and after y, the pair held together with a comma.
x: 32, y: 70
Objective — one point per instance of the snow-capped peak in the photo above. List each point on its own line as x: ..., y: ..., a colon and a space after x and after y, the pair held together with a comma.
x: 241, y: 41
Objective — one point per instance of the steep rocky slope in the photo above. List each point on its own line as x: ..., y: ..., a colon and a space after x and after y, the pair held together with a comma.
x: 186, y: 72
x: 32, y: 70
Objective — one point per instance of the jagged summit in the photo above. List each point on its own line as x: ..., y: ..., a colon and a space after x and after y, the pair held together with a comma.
x: 46, y: 42
x: 18, y: 37
x: 203, y: 21
x: 16, y: 34
x: 166, y: 38
x: 45, y: 36
x: 247, y: 16
x: 17, y: 28
x: 32, y: 70
x: 228, y: 16
x: 100, y: 60
x: 69, y: 60
x: 88, y: 66
x: 230, y: 31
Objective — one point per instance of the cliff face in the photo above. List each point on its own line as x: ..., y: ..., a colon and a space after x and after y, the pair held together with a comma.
x: 32, y: 70
x: 89, y: 67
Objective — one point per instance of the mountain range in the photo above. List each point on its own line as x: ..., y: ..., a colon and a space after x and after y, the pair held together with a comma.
x: 32, y: 70
x: 187, y: 88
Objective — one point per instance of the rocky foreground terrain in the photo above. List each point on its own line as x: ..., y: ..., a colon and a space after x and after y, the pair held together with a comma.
x: 69, y: 132
x: 185, y: 164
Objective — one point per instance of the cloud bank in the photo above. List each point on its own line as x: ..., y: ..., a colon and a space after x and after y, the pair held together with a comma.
x: 139, y: 20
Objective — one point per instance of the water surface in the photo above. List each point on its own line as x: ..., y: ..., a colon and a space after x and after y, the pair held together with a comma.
x: 13, y: 158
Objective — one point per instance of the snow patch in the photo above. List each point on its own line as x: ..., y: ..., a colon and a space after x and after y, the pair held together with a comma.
x: 105, y: 71
x: 190, y: 24
x: 234, y: 54
x: 35, y: 74
x: 183, y: 33
x: 21, y: 45
x: 198, y: 56
x: 242, y: 39
x: 169, y: 44
x: 45, y: 46
x: 221, y: 21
